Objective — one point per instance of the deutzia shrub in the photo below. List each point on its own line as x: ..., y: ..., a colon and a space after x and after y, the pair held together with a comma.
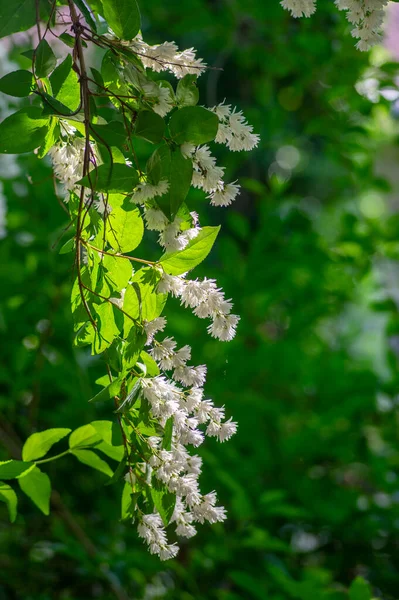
x: 365, y: 16
x: 88, y: 122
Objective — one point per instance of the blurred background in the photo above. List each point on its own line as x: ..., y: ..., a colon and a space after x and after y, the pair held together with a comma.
x: 309, y: 253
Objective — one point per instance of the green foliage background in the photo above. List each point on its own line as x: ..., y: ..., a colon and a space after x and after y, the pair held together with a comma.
x: 309, y: 255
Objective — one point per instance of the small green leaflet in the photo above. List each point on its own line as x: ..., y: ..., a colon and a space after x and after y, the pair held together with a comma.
x: 65, y: 84
x: 359, y: 590
x: 167, y: 435
x: 45, y: 61
x: 187, y: 93
x: 23, y: 131
x: 106, y: 327
x: 118, y: 271
x: 20, y: 15
x: 152, y: 369
x: 38, y: 444
x: 123, y: 17
x: 85, y: 435
x: 8, y: 496
x: 86, y: 13
x: 151, y: 303
x: 67, y: 247
x: 109, y: 431
x: 172, y: 166
x: 37, y: 486
x: 14, y: 469
x: 149, y: 126
x: 91, y: 459
x: 50, y: 139
x: 125, y: 228
x: 111, y: 178
x: 111, y: 134
x: 108, y: 392
x: 18, y: 84
x: 164, y: 501
x: 176, y: 263
x: 193, y: 124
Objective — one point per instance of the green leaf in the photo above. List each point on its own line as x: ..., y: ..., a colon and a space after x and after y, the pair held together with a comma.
x: 176, y: 263
x: 20, y: 15
x: 106, y: 327
x: 119, y: 472
x: 123, y: 17
x: 359, y: 590
x: 164, y: 502
x: 149, y: 126
x: 69, y: 40
x: 114, y: 452
x: 86, y: 435
x: 109, y: 431
x: 135, y: 341
x: 38, y: 444
x: 125, y: 228
x: 150, y: 303
x: 128, y: 501
x: 86, y: 13
x: 108, y: 392
x: 67, y: 247
x: 52, y: 135
x: 193, y: 124
x: 45, y: 61
x: 91, y: 459
x: 152, y: 369
x: 65, y: 84
x: 118, y: 271
x: 187, y: 93
x: 37, y: 486
x: 111, y: 178
x: 170, y: 165
x: 167, y: 435
x: 111, y: 134
x: 18, y: 83
x: 23, y: 131
x: 14, y: 469
x: 8, y: 496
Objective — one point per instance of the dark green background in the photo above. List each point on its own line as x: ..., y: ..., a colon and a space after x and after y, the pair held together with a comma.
x: 309, y: 256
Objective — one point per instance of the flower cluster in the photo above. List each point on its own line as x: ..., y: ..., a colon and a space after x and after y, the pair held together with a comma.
x: 365, y: 15
x: 167, y: 57
x: 176, y: 468
x: 234, y: 130
x: 164, y: 413
x: 206, y: 300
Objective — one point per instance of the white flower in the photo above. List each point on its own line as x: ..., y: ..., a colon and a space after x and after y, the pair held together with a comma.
x: 171, y: 236
x: 170, y: 284
x: 227, y: 429
x: 183, y: 520
x: 234, y: 130
x: 151, y: 529
x: 190, y: 376
x: 206, y: 175
x: 147, y: 191
x: 166, y: 57
x: 102, y: 205
x: 224, y: 195
x: 67, y: 159
x: 299, y: 8
x: 155, y: 219
x: 153, y: 327
x: 206, y: 510
x: 223, y: 327
x: 163, y: 103
x: 193, y: 398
